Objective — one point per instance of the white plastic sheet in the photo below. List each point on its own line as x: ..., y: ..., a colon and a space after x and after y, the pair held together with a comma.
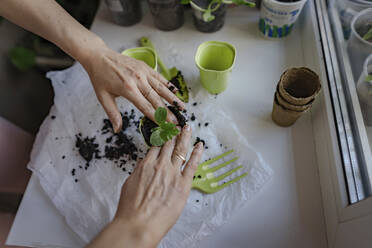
x: 90, y: 203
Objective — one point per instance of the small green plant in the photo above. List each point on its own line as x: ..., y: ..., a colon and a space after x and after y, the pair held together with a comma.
x: 214, y: 5
x: 369, y: 79
x: 165, y: 130
x: 368, y: 35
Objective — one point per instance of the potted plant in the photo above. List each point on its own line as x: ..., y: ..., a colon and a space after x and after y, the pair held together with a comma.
x: 125, y: 12
x: 209, y: 15
x: 167, y: 14
x: 360, y: 43
x: 156, y: 134
x: 364, y: 89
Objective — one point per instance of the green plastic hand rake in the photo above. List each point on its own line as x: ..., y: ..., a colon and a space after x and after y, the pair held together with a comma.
x: 204, y: 179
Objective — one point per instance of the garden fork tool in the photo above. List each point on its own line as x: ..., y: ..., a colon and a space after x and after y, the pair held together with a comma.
x: 204, y: 179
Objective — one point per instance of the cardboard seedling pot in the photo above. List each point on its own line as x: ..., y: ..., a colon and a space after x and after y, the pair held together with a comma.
x: 284, y: 117
x: 290, y: 106
x: 299, y: 86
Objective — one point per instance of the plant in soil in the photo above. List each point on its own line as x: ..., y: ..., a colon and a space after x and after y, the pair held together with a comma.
x: 214, y: 5
x: 368, y: 35
x: 156, y: 134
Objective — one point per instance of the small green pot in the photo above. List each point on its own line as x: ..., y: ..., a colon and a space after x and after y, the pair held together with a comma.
x: 144, y: 54
x: 215, y: 60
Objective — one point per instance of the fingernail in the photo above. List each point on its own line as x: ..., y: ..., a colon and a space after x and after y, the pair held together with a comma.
x: 187, y: 128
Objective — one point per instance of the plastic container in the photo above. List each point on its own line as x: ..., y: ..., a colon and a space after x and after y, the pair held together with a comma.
x: 215, y: 61
x: 144, y: 54
x: 347, y: 9
x: 211, y: 26
x: 125, y: 12
x: 167, y: 14
x: 358, y: 48
x: 277, y: 18
x: 364, y: 90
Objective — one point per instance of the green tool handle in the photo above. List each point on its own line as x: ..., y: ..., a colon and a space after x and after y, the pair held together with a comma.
x: 146, y: 42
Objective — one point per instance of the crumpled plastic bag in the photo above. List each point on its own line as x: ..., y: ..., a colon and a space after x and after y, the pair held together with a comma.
x: 87, y: 195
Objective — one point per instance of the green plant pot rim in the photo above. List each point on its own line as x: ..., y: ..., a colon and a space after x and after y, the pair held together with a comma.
x: 201, y: 46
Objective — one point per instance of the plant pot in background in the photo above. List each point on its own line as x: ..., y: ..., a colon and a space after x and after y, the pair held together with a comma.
x: 167, y: 14
x: 347, y: 9
x: 125, y: 12
x: 364, y: 90
x: 211, y: 26
x: 277, y: 17
x: 358, y: 48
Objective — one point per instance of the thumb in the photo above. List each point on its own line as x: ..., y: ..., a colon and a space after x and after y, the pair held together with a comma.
x: 109, y: 105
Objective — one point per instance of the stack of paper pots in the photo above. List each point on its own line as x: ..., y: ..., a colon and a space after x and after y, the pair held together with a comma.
x: 295, y: 94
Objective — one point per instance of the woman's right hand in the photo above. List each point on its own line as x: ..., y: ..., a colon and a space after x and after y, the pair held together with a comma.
x: 153, y: 197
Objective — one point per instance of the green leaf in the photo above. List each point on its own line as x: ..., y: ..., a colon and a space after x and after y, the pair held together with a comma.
x: 243, y: 2
x: 207, y: 16
x: 160, y: 115
x: 22, y: 58
x: 155, y: 138
x: 369, y: 78
x: 185, y: 1
x: 368, y: 35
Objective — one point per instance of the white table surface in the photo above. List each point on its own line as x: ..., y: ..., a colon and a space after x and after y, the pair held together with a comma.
x: 288, y: 211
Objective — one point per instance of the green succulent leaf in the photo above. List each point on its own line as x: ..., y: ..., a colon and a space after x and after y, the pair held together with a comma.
x: 160, y: 115
x: 368, y: 35
x: 155, y: 138
x: 22, y: 58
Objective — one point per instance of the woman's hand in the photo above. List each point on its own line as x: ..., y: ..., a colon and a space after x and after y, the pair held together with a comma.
x: 113, y: 75
x: 154, y: 196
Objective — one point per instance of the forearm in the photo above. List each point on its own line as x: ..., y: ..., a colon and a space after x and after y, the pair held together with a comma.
x: 49, y: 20
x: 119, y: 234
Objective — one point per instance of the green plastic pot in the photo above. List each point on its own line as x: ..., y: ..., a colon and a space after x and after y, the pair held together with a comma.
x: 215, y: 60
x: 144, y: 54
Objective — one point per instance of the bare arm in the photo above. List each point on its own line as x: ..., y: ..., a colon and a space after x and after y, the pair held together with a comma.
x: 112, y: 74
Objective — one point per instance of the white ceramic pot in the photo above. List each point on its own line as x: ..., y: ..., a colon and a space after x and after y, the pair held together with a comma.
x: 358, y: 48
x: 277, y: 18
x: 364, y: 90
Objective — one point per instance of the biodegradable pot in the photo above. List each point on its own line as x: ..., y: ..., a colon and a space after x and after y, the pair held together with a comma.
x: 358, y: 48
x: 284, y: 117
x: 167, y: 14
x: 290, y: 106
x: 364, y: 90
x: 125, y: 12
x: 215, y: 61
x: 347, y: 9
x: 278, y: 17
x: 144, y: 54
x: 212, y: 26
x: 299, y: 86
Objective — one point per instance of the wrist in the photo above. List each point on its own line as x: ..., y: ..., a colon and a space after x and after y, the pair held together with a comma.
x: 87, y: 52
x: 138, y: 235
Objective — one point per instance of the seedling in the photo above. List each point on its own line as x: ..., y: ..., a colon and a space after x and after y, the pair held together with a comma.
x: 215, y: 4
x: 368, y: 35
x: 165, y: 130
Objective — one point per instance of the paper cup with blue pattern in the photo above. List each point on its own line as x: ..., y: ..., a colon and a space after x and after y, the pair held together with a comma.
x: 278, y: 17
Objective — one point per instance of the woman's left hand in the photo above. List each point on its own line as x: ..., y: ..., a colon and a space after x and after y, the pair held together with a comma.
x: 113, y: 75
